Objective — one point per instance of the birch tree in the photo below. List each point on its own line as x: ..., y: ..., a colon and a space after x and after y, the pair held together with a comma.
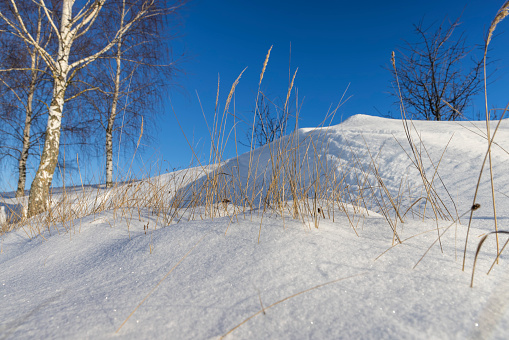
x: 131, y: 81
x: 22, y: 76
x: 73, y: 26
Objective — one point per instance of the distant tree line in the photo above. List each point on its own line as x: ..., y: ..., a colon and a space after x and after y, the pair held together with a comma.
x: 78, y: 73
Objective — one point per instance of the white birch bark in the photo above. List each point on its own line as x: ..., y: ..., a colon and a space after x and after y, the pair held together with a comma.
x: 22, y: 163
x: 34, y: 66
x: 39, y: 191
x: 111, y: 118
x: 71, y: 28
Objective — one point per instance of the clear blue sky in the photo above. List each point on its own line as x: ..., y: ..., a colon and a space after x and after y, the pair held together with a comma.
x: 333, y: 43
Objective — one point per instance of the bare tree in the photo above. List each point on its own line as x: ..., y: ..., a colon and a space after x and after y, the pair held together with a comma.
x: 63, y: 65
x: 24, y: 76
x: 270, y: 123
x: 25, y: 92
x: 131, y: 80
x: 433, y: 73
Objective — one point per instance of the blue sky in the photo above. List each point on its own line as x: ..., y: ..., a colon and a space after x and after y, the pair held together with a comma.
x: 334, y: 44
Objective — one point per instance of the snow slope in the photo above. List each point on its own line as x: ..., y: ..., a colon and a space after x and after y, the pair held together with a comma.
x: 456, y: 148
x: 203, y: 278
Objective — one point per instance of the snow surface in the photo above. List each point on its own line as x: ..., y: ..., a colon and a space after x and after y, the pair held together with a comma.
x: 11, y: 212
x: 205, y: 277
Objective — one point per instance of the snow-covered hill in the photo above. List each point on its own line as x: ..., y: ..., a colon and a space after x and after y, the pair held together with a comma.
x: 254, y: 271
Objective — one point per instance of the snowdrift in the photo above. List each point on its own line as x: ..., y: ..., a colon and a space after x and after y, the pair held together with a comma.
x: 253, y: 271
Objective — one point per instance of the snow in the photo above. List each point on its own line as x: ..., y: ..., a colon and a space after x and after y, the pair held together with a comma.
x: 200, y: 279
x: 11, y: 212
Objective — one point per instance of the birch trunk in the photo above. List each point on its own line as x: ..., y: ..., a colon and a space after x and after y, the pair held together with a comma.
x: 61, y: 69
x: 111, y: 119
x: 39, y: 191
x: 22, y: 163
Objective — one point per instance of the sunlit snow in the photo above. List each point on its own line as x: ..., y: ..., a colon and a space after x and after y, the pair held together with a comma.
x: 204, y: 277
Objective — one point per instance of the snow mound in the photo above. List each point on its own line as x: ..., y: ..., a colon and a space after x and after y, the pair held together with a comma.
x: 259, y: 276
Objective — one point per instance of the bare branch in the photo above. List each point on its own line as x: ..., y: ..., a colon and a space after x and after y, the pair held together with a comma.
x: 431, y: 72
x: 49, y: 17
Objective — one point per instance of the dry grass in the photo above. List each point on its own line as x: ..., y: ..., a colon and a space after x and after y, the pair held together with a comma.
x: 297, y: 180
x: 502, y: 13
x: 292, y: 177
